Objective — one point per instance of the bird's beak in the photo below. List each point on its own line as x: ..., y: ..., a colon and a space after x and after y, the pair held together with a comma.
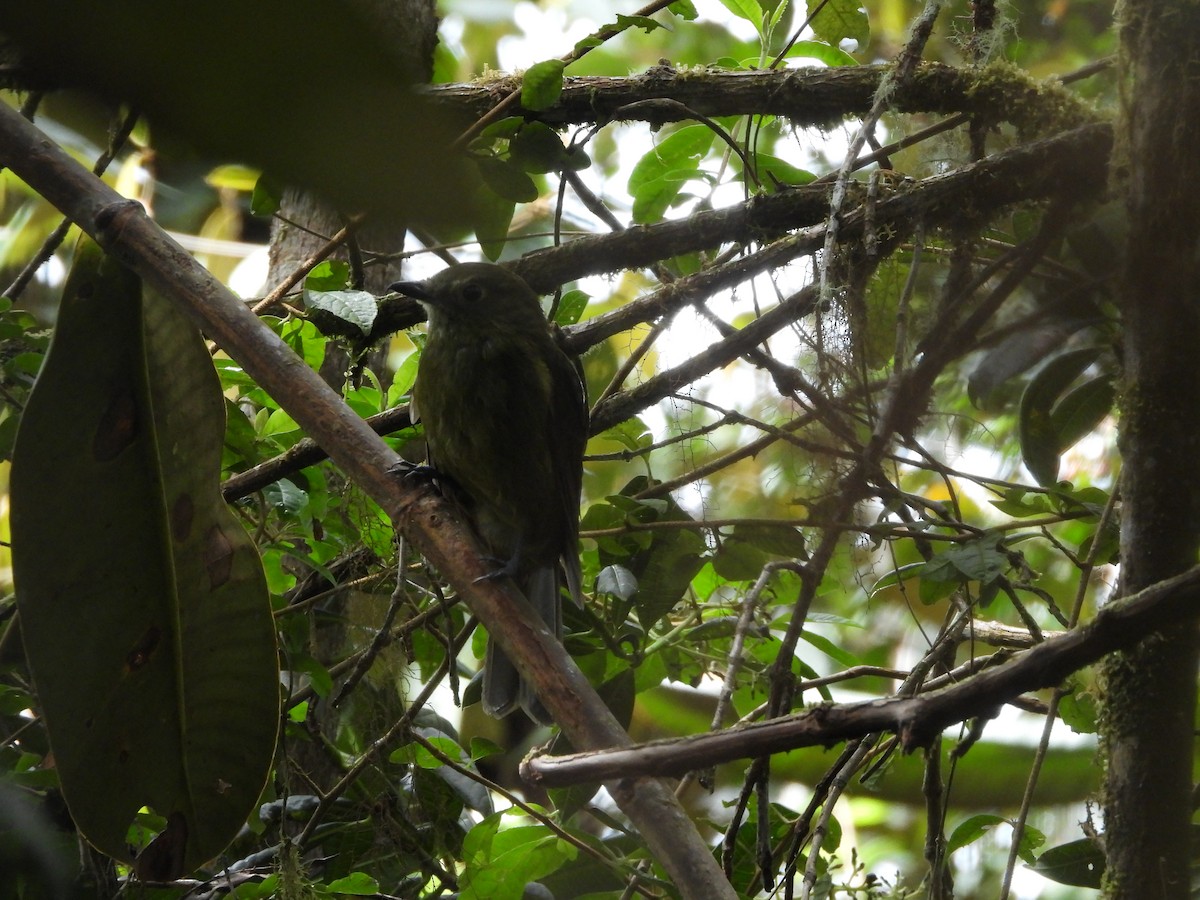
x: 415, y: 289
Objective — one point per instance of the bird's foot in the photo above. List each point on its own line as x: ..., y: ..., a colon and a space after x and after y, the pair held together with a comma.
x: 406, y: 469
x: 505, y: 568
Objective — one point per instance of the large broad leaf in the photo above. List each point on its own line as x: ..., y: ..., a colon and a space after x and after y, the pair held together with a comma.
x: 143, y: 604
x: 835, y: 20
x: 1053, y: 419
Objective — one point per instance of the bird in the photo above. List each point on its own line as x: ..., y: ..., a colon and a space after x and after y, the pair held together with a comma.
x: 505, y: 416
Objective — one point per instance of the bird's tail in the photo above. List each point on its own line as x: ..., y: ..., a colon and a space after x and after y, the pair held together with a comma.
x: 503, y: 687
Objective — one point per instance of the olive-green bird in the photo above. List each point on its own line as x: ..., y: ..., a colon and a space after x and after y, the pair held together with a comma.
x: 505, y: 416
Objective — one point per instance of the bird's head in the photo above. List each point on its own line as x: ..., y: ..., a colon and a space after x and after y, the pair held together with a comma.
x: 477, y: 296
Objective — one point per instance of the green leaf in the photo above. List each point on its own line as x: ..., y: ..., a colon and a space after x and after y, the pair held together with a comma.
x: 1031, y: 840
x: 632, y: 434
x: 267, y: 194
x: 745, y: 9
x: 330, y: 275
x: 166, y: 694
x: 774, y: 173
x: 682, y: 149
x: 537, y: 148
x: 1080, y: 711
x: 830, y: 649
x: 933, y: 588
x: 618, y: 581
x: 781, y: 540
x: 979, y: 560
x: 1082, y: 409
x: 1021, y: 504
x: 1078, y: 863
x: 665, y: 570
x: 827, y: 53
x: 504, y: 129
x: 1041, y: 442
x: 358, y: 308
x: 404, y: 379
x: 501, y: 863
x: 233, y: 177
x: 542, y: 84
x: 571, y: 306
x: 839, y: 19
x: 897, y: 576
x: 494, y: 215
x: 481, y: 748
x: 739, y: 560
x: 973, y: 829
x: 508, y: 180
x: 358, y: 884
x: 685, y: 9
x: 647, y: 24
x: 659, y: 175
x: 654, y: 198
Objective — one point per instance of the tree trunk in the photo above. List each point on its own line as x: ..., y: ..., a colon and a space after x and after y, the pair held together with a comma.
x: 1150, y: 692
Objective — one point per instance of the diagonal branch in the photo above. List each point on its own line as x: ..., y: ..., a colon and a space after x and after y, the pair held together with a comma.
x: 123, y: 229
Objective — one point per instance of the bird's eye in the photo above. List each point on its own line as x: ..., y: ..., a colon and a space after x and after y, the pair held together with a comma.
x: 472, y: 293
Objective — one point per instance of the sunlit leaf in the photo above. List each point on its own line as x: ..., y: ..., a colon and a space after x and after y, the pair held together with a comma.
x: 745, y: 9
x: 659, y: 174
x: 542, y: 84
x: 972, y: 829
x: 837, y: 20
x: 685, y: 9
x: 819, y: 50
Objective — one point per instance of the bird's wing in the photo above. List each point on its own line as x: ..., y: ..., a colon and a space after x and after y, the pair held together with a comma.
x: 569, y: 412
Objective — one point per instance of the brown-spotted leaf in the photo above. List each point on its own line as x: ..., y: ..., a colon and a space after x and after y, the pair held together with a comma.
x: 144, y: 609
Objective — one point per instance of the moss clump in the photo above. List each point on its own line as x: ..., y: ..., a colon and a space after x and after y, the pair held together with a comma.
x: 1035, y: 107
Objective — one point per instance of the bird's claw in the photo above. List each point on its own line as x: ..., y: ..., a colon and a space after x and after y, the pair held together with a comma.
x: 506, y: 568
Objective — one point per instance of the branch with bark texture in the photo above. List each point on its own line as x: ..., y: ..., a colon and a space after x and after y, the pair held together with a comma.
x: 917, y: 720
x: 806, y: 96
